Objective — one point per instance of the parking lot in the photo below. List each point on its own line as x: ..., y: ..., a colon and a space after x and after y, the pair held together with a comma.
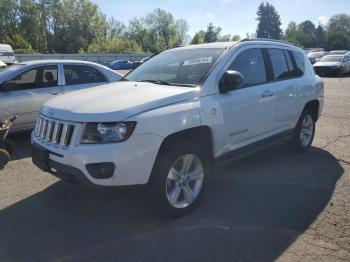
x: 273, y: 205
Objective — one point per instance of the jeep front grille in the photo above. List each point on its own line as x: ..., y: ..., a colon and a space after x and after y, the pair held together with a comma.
x: 54, y: 132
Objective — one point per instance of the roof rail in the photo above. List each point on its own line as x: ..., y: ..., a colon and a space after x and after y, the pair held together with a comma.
x: 267, y: 39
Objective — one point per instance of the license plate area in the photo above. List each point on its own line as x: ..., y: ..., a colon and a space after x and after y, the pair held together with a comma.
x: 40, y: 157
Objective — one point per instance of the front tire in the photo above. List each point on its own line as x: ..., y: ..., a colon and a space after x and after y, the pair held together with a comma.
x: 178, y: 179
x: 304, y: 132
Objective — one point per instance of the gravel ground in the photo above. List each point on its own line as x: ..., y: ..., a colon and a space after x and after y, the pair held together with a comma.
x: 273, y: 205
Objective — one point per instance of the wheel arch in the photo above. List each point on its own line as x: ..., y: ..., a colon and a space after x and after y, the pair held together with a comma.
x: 313, y: 105
x: 200, y: 135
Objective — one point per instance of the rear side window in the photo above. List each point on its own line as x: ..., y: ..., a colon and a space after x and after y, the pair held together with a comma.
x: 279, y: 64
x: 299, y: 63
x: 250, y: 63
x: 80, y: 74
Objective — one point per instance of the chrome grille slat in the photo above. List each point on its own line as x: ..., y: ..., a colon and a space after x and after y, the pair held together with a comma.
x: 64, y: 133
x: 54, y: 132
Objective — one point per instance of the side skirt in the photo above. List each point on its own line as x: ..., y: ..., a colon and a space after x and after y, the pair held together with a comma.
x: 254, y: 147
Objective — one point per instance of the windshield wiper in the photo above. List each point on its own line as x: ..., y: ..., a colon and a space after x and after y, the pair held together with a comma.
x: 158, y: 82
x: 162, y: 82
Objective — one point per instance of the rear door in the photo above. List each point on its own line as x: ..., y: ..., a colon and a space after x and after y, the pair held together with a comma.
x: 81, y: 76
x: 287, y: 69
x: 24, y: 94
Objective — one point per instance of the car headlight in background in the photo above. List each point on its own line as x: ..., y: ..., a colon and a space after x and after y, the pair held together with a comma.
x: 102, y: 133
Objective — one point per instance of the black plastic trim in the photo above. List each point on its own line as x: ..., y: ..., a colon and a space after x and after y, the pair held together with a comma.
x: 257, y: 146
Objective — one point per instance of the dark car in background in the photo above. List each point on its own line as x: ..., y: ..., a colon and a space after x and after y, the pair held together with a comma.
x: 333, y: 65
x: 121, y: 65
x: 137, y: 63
x: 314, y: 57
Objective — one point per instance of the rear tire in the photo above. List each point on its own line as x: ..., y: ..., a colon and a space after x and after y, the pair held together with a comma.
x: 304, y: 131
x: 179, y: 178
x: 4, y: 158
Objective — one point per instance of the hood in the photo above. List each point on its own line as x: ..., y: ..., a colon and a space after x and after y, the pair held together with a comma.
x: 327, y: 64
x: 115, y: 102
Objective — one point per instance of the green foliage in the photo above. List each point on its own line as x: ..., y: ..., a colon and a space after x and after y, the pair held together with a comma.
x: 160, y: 30
x: 212, y: 34
x: 113, y: 45
x: 336, y: 35
x: 338, y: 32
x: 198, y: 38
x: 269, y: 22
x: 236, y: 38
x: 70, y: 26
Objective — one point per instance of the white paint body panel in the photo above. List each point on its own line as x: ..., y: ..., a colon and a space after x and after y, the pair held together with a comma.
x: 164, y: 110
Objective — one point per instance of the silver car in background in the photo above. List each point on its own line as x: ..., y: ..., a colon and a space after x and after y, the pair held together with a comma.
x: 333, y: 65
x: 26, y: 86
x: 314, y: 57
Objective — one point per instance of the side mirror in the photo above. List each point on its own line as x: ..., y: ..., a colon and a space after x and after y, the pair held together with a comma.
x: 231, y: 80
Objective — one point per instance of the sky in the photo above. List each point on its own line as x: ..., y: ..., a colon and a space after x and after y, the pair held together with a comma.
x: 233, y: 16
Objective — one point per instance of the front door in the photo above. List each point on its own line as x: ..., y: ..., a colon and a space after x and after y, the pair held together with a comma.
x: 25, y: 94
x: 248, y: 112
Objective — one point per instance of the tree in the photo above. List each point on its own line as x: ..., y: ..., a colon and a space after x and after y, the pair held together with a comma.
x: 212, y: 34
x: 339, y: 23
x: 337, y: 32
x: 320, y: 35
x: 236, y: 38
x: 198, y: 38
x: 269, y: 22
x: 306, y: 34
x: 291, y: 33
x: 337, y: 41
x: 225, y: 38
x: 162, y: 31
x: 8, y: 20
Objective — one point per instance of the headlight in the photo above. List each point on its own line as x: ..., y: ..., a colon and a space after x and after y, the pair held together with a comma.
x: 102, y: 133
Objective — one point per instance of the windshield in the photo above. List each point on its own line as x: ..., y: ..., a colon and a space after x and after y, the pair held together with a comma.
x: 10, y: 69
x: 316, y: 55
x: 331, y: 58
x: 185, y: 67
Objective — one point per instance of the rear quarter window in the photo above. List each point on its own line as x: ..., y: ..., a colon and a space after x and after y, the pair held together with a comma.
x: 299, y: 63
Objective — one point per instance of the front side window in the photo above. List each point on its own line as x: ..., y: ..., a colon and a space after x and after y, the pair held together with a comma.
x: 250, y: 63
x: 279, y: 64
x: 38, y: 77
x: 184, y: 67
x: 80, y: 74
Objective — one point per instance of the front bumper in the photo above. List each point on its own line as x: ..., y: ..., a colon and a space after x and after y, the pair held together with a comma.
x: 133, y: 160
x: 327, y: 70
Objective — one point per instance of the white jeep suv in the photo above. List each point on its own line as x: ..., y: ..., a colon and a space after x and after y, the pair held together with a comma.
x: 170, y: 120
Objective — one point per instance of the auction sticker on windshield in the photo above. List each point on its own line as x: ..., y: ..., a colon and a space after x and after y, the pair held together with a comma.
x: 198, y: 60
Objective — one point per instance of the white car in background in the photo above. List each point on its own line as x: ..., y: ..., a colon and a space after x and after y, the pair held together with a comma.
x: 6, y: 54
x: 2, y: 65
x: 333, y: 65
x: 26, y: 86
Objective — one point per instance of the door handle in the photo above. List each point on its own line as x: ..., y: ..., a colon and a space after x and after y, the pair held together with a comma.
x: 56, y: 92
x: 268, y: 93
